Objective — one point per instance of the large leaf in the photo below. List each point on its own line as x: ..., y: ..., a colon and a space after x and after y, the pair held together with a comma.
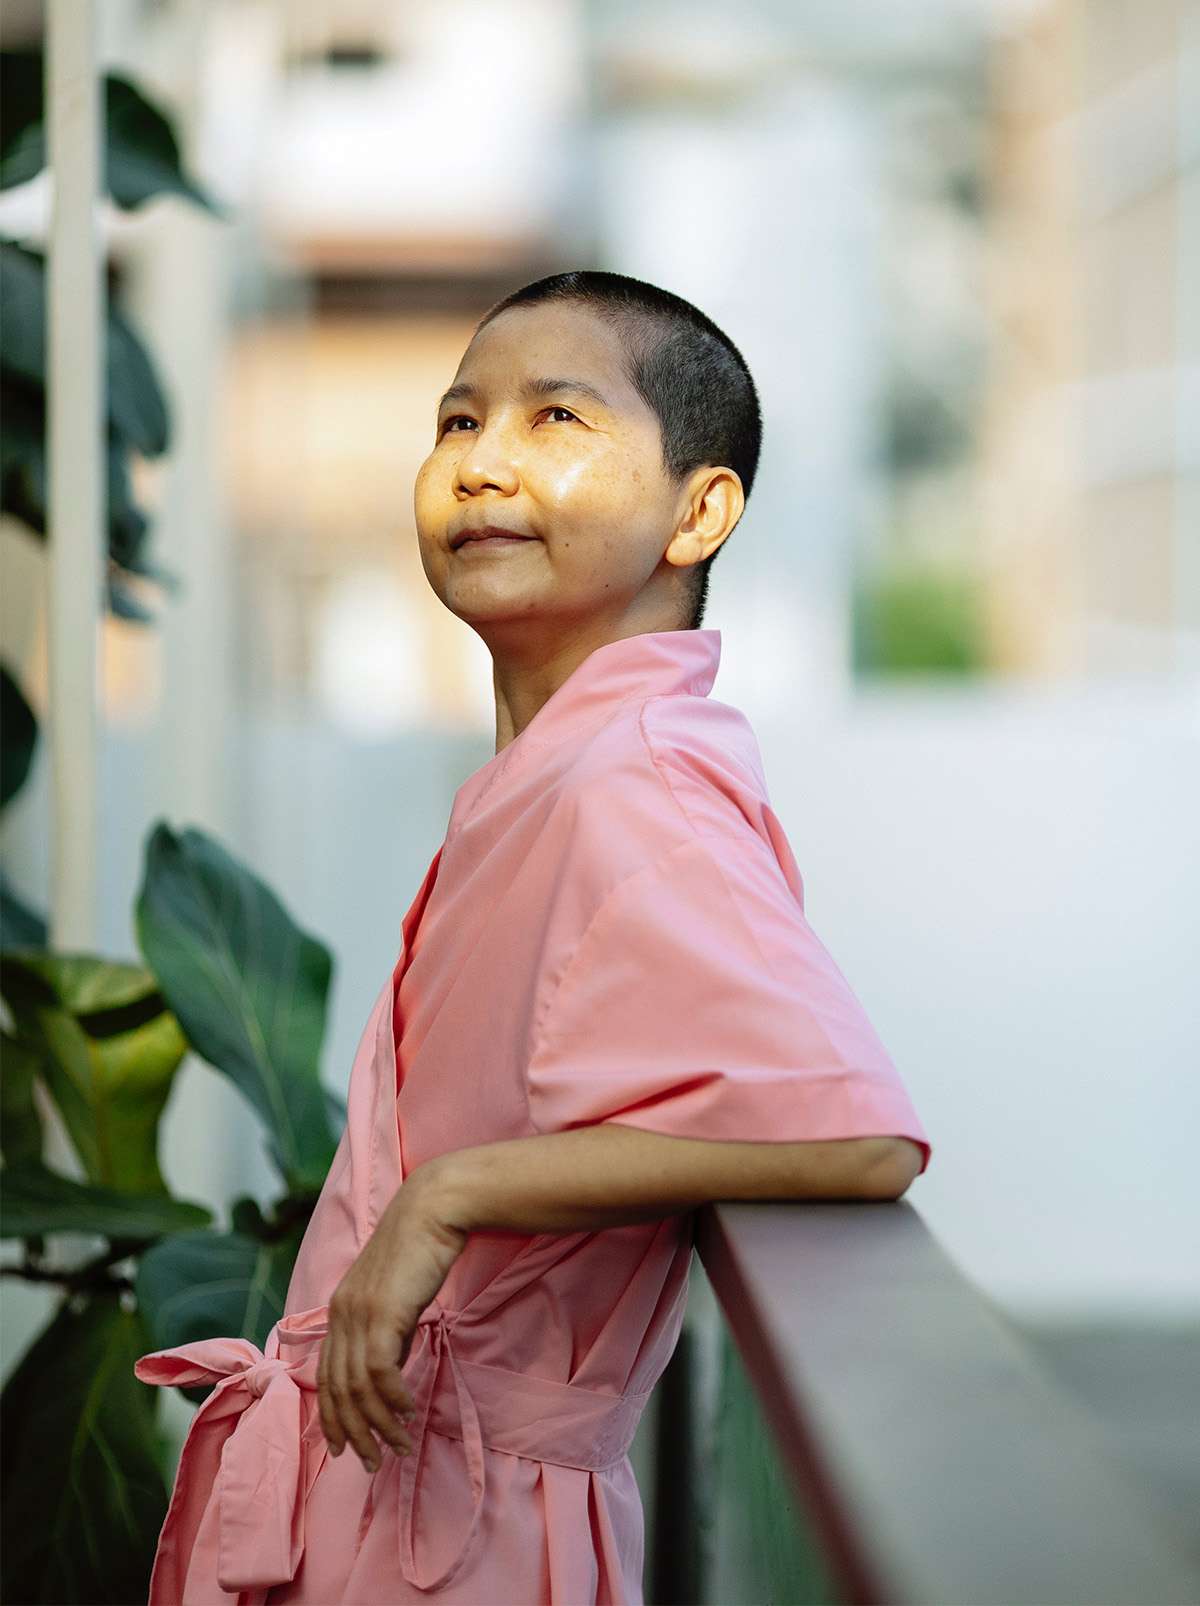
x: 23, y: 483
x: 143, y: 153
x: 209, y: 1285
x: 335, y: 1109
x: 140, y: 156
x: 21, y: 1137
x: 20, y: 926
x: 18, y: 737
x: 83, y: 1490
x: 36, y: 1202
x: 128, y: 526
x: 108, y: 1051
x: 21, y: 95
x: 137, y: 407
x: 248, y: 986
x: 22, y: 447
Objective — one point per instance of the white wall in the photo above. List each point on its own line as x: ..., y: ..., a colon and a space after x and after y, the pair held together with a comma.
x: 1010, y: 881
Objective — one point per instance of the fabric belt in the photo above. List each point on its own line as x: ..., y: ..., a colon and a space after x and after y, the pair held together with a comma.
x: 263, y: 1464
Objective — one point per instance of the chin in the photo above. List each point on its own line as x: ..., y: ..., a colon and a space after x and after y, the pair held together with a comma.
x: 483, y: 610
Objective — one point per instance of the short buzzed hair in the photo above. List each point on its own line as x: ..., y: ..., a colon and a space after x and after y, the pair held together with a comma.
x: 687, y: 371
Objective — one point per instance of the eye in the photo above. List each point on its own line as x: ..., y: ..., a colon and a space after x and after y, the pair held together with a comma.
x: 454, y: 418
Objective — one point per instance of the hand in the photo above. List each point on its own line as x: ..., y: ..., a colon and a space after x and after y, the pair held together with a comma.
x: 372, y: 1319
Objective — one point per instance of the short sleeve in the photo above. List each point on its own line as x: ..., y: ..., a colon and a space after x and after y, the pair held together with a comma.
x: 699, y: 1002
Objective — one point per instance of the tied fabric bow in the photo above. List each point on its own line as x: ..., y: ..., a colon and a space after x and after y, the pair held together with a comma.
x: 261, y: 1468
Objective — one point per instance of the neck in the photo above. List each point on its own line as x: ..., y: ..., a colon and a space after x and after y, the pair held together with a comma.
x: 523, y: 681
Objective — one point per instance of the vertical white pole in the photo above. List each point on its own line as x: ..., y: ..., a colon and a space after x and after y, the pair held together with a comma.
x: 1187, y: 348
x: 75, y: 418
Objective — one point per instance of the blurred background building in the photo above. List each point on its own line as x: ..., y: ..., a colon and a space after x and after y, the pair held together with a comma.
x: 1091, y: 421
x: 958, y: 242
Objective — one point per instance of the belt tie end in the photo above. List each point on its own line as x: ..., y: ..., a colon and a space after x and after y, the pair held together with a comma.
x: 259, y: 1468
x: 438, y: 1331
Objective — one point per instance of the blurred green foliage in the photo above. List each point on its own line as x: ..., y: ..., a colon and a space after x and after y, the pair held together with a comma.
x: 918, y: 616
x: 763, y: 1550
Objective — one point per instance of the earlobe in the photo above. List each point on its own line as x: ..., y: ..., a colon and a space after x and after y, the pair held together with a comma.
x: 686, y: 547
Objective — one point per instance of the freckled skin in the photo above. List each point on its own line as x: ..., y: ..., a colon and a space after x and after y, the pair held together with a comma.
x: 615, y: 536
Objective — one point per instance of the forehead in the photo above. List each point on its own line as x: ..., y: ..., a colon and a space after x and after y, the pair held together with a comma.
x: 540, y: 350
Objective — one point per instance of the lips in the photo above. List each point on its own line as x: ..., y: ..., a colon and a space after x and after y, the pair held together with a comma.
x: 487, y: 532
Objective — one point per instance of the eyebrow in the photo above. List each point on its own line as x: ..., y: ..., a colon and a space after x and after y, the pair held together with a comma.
x: 531, y: 387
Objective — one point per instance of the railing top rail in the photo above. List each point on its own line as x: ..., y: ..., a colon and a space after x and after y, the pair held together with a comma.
x: 935, y: 1455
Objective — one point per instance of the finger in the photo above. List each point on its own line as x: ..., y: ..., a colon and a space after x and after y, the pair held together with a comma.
x: 330, y: 1425
x: 346, y: 1392
x: 385, y: 1362
x: 374, y: 1408
x: 391, y: 1401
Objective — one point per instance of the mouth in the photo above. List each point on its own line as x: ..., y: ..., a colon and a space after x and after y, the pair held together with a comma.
x: 488, y: 535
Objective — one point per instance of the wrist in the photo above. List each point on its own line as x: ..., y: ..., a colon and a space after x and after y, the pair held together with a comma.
x: 435, y: 1192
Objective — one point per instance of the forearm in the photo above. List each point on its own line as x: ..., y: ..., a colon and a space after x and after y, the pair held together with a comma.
x: 610, y: 1175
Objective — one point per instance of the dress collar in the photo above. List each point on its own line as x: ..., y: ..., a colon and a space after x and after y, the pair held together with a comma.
x: 654, y: 663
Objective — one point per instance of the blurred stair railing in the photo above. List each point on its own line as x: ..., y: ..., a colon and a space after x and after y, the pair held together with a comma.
x: 887, y: 1435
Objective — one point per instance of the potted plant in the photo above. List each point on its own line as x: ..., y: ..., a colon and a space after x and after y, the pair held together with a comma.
x: 224, y: 971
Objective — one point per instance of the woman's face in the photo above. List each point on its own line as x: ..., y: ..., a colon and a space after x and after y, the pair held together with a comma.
x: 577, y: 471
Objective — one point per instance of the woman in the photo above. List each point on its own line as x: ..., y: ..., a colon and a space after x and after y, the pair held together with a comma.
x: 608, y: 1009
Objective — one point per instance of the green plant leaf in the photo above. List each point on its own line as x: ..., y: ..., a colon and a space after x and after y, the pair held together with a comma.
x: 18, y: 737
x: 37, y: 1202
x: 21, y: 1136
x: 246, y: 1218
x: 23, y: 313
x: 137, y: 407
x: 197, y: 1285
x: 83, y: 1493
x: 125, y: 604
x: 139, y: 156
x: 23, y: 483
x: 22, y: 448
x: 335, y: 1109
x: 918, y: 616
x: 143, y: 153
x: 108, y: 1050
x: 248, y: 986
x: 128, y: 526
x: 20, y: 926
x: 21, y: 94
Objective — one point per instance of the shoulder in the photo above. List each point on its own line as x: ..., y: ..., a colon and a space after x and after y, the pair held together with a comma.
x: 665, y: 771
x: 660, y: 822
x: 707, y: 755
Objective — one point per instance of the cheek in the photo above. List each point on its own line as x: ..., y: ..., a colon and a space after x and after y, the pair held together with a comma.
x: 421, y: 484
x: 569, y: 485
x: 596, y: 488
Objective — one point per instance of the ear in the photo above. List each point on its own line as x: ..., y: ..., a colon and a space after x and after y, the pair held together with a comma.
x: 713, y: 504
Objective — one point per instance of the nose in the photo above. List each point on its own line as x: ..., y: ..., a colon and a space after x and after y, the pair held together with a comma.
x: 488, y: 461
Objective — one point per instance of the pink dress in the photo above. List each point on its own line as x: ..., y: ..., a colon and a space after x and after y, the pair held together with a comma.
x: 612, y: 930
